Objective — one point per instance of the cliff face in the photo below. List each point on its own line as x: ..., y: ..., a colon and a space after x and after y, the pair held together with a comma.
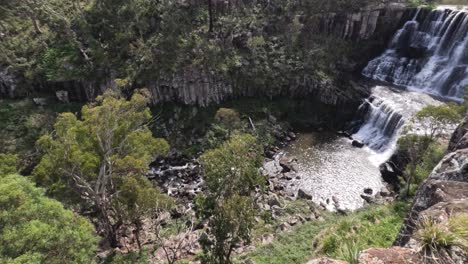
x: 372, y: 26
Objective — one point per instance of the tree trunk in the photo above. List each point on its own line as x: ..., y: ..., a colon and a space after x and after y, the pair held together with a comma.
x: 37, y: 29
x: 210, y: 14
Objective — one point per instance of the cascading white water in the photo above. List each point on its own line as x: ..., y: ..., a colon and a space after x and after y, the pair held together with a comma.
x: 429, y: 53
x: 385, y: 113
x: 381, y: 124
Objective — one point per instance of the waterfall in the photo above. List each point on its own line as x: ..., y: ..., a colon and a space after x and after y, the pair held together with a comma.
x: 429, y: 53
x: 381, y: 122
x: 384, y: 114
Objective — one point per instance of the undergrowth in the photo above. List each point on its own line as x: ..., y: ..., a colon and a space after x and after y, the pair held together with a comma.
x: 338, y: 236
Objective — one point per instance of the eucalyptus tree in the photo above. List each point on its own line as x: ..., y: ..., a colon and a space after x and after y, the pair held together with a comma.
x: 102, y: 158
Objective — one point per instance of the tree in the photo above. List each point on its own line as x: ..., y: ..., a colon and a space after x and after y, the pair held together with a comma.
x: 231, y: 174
x: 434, y: 119
x: 419, y: 151
x: 228, y: 118
x: 37, y: 229
x: 103, y: 159
x: 7, y: 164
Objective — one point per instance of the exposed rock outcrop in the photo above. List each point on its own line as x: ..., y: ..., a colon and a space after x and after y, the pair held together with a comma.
x: 393, y: 255
x: 447, y: 185
x: 373, y: 21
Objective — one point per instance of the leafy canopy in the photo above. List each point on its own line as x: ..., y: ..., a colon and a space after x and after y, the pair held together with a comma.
x: 103, y: 158
x: 231, y: 174
x: 36, y: 229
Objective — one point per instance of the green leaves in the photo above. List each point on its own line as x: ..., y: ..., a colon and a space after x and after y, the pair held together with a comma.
x: 36, y: 229
x: 8, y: 164
x: 103, y: 158
x: 231, y: 175
x: 233, y: 168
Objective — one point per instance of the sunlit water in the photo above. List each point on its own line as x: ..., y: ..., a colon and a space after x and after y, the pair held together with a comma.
x: 333, y: 171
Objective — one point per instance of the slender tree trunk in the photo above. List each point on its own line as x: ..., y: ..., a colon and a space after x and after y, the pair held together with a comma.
x: 37, y: 29
x: 210, y: 14
x: 137, y: 235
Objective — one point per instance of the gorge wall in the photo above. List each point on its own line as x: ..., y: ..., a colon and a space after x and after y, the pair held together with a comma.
x: 192, y: 85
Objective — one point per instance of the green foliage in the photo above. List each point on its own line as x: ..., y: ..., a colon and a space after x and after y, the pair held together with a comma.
x: 337, y: 236
x: 22, y: 123
x: 36, y: 229
x: 422, y: 155
x: 231, y: 222
x: 355, y: 233
x: 102, y: 159
x: 232, y: 168
x: 8, y: 163
x: 432, y: 236
x: 458, y: 225
x: 143, y: 41
x: 228, y: 118
x: 434, y: 119
x: 231, y: 174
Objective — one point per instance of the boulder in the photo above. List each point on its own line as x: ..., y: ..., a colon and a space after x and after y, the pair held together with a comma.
x: 286, y: 163
x: 390, y: 174
x: 267, y: 238
x: 393, y: 255
x: 304, y: 194
x: 357, y: 144
x: 368, y: 191
x: 40, y: 101
x: 62, y: 96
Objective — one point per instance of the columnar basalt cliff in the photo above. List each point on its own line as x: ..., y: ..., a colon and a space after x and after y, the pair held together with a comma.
x: 192, y: 85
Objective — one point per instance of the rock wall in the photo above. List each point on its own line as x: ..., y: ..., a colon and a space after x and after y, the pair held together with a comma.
x: 445, y: 192
x: 201, y: 87
x: 374, y: 21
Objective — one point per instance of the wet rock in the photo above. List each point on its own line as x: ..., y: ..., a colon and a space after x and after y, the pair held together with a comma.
x: 390, y: 174
x: 286, y: 163
x: 357, y: 144
x: 368, y: 191
x: 304, y: 194
x: 292, y: 135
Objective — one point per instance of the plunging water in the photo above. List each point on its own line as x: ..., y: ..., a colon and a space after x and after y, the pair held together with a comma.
x: 429, y: 53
